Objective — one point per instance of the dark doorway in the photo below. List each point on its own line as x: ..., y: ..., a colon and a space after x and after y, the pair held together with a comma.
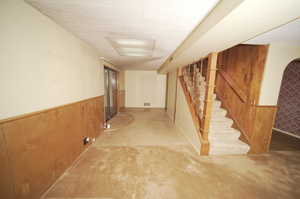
x: 111, y: 90
x: 288, y: 114
x: 286, y: 133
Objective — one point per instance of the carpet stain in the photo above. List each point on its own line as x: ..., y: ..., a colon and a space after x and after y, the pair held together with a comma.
x: 150, y: 159
x: 161, y: 172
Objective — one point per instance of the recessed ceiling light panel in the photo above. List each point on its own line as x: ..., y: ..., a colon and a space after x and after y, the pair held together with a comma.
x: 132, y: 42
x: 131, y: 49
x: 136, y: 54
x: 132, y: 46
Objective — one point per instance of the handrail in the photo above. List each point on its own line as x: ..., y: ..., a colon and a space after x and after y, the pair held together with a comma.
x: 240, y: 93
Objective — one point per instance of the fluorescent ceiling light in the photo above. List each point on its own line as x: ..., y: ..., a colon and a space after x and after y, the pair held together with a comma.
x: 126, y: 49
x: 132, y: 47
x: 131, y: 42
x: 135, y: 54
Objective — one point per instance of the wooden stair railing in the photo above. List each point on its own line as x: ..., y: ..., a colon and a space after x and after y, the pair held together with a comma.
x: 195, y: 116
x: 201, y: 118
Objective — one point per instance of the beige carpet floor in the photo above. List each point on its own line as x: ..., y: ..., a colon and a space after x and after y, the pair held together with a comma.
x: 150, y: 159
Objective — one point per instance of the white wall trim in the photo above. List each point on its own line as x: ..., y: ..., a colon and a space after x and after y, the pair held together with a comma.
x: 287, y: 133
x: 169, y: 116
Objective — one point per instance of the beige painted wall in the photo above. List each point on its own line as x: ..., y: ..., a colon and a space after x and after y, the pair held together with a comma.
x: 145, y: 86
x: 184, y: 121
x: 41, y: 64
x: 183, y: 118
x: 171, y: 94
x: 279, y: 56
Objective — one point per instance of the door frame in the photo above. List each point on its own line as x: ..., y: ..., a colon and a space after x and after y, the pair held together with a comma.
x: 107, y: 86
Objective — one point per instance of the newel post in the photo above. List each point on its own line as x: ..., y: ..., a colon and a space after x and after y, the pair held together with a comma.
x: 208, y: 102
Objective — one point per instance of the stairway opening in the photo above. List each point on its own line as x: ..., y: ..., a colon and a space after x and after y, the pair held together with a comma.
x: 286, y: 133
x: 222, y: 137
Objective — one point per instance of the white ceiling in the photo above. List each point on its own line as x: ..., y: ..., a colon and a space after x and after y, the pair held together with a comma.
x: 229, y: 24
x: 167, y: 22
x: 288, y: 33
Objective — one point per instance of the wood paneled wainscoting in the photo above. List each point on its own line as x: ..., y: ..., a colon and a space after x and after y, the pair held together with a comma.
x: 121, y: 100
x: 240, y: 71
x: 35, y: 149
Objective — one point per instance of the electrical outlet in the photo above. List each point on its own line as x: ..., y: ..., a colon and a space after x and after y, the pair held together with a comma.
x: 86, y: 140
x: 106, y: 125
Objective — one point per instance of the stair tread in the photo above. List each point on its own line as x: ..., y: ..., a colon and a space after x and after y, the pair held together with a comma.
x: 215, y: 132
x: 227, y: 153
x: 214, y: 145
x: 224, y: 130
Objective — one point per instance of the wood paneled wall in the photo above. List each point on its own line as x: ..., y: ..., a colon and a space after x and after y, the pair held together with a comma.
x: 240, y: 71
x: 121, y: 92
x: 264, y: 118
x: 121, y: 100
x: 35, y: 149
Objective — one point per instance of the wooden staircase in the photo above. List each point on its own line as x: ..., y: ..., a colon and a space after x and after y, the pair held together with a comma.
x: 214, y: 128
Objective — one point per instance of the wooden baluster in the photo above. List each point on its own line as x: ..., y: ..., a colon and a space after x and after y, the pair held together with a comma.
x: 198, y: 91
x: 193, y: 83
x: 200, y: 84
x: 201, y: 66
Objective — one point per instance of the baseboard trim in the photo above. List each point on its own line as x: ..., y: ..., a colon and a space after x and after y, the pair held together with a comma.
x: 287, y: 133
x: 189, y: 141
x: 170, y: 118
x: 74, y: 163
x: 143, y: 108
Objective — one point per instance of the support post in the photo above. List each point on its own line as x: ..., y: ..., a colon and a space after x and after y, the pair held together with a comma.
x: 208, y: 102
